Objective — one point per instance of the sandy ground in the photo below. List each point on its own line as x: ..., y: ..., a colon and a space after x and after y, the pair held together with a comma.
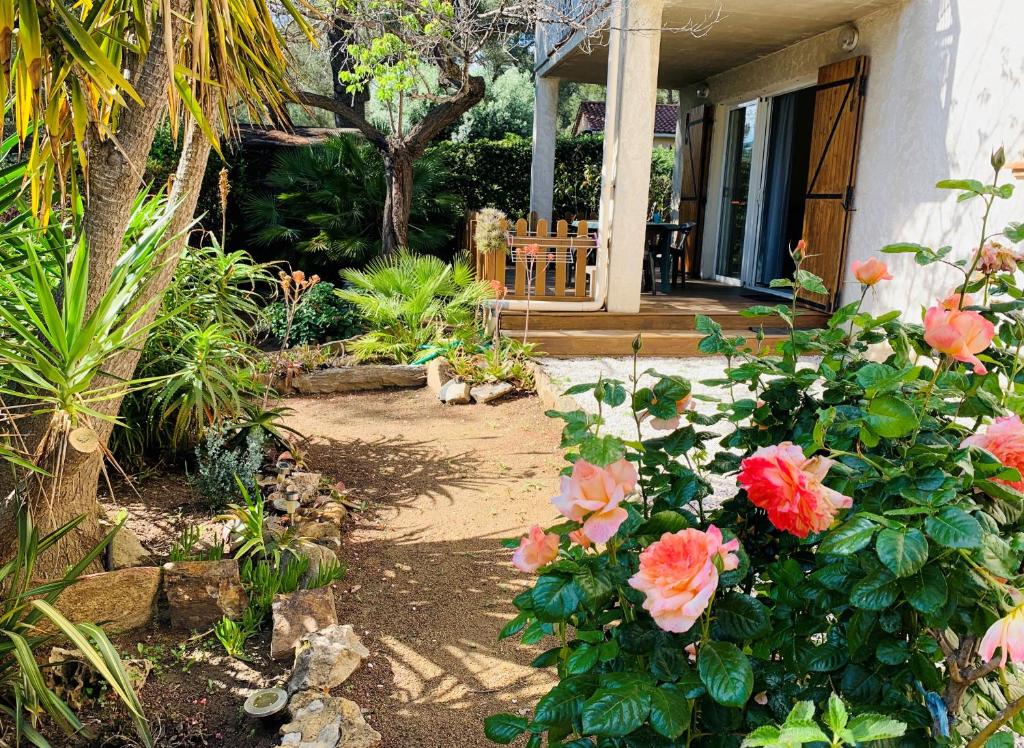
x: 429, y: 587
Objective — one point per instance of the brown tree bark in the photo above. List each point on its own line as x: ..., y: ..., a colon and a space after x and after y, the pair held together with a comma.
x: 400, y: 152
x: 56, y: 501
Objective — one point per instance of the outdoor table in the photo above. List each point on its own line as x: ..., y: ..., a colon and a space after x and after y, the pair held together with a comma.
x: 664, y: 232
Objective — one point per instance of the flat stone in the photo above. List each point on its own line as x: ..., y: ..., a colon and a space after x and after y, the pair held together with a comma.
x: 306, y: 484
x: 319, y: 532
x: 317, y: 555
x: 126, y: 551
x: 297, y: 614
x: 362, y: 377
x: 486, y: 393
x: 326, y: 658
x: 329, y: 511
x: 120, y: 601
x: 200, y: 593
x: 454, y: 392
x: 439, y: 371
x: 320, y: 721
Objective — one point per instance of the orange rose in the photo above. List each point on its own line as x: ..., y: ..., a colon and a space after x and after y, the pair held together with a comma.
x: 959, y: 335
x: 869, y: 272
x: 1004, y: 438
x: 536, y: 549
x: 1006, y: 634
x: 592, y: 495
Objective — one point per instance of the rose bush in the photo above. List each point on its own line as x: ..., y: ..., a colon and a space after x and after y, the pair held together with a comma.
x: 872, y: 549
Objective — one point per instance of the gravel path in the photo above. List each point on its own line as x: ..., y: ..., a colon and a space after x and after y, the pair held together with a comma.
x: 429, y: 587
x: 567, y: 372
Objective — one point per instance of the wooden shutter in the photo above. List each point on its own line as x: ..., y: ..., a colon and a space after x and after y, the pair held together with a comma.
x: 835, y: 136
x: 693, y: 192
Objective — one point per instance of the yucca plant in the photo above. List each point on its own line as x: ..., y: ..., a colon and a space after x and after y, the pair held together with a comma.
x: 54, y: 343
x: 29, y: 621
x: 410, y: 302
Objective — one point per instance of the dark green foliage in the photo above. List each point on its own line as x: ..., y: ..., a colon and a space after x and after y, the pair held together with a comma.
x: 321, y: 317
x: 329, y: 200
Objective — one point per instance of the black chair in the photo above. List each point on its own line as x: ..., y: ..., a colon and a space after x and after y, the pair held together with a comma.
x: 679, y: 254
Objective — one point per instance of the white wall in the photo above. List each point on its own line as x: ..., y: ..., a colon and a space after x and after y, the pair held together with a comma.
x: 946, y: 86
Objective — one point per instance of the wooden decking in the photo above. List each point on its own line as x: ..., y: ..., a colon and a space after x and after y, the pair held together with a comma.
x: 667, y: 323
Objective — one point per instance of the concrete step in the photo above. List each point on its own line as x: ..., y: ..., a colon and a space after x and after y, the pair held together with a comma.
x: 567, y: 343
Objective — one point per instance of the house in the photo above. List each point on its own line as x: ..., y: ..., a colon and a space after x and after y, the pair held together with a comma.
x: 828, y: 120
x: 590, y: 119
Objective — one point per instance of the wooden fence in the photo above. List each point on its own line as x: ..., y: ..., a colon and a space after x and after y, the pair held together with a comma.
x: 541, y: 265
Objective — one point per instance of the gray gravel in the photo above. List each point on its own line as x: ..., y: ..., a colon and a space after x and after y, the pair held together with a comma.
x: 619, y: 421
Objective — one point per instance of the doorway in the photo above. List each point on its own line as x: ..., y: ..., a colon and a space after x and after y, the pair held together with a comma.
x: 766, y: 159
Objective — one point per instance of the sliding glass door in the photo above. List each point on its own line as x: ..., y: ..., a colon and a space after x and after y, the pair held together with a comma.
x: 739, y: 156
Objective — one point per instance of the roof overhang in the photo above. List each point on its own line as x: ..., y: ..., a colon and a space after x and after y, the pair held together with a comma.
x: 740, y: 31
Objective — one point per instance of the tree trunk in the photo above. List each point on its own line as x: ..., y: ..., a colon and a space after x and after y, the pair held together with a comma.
x: 398, y: 167
x: 55, y: 502
x: 337, y: 38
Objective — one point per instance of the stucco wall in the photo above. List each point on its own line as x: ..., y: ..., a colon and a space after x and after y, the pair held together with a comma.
x: 946, y: 86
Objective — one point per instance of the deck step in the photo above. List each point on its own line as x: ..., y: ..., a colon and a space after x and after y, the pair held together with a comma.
x: 674, y: 321
x: 566, y: 343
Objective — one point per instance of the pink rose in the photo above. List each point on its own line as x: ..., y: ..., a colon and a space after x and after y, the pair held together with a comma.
x: 869, y: 272
x: 996, y: 257
x: 959, y: 335
x: 671, y: 424
x: 580, y: 538
x: 788, y: 486
x: 1006, y: 634
x: 592, y: 494
x: 1004, y: 438
x: 536, y: 549
x: 956, y: 300
x: 678, y: 574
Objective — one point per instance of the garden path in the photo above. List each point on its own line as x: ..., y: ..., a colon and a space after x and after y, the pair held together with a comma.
x: 429, y: 586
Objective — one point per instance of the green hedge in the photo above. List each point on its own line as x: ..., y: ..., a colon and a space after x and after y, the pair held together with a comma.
x: 496, y: 173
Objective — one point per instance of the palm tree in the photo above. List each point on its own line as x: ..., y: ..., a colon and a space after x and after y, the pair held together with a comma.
x: 328, y: 199
x: 90, y: 83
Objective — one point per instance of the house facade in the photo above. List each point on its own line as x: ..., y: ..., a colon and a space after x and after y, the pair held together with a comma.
x: 828, y: 120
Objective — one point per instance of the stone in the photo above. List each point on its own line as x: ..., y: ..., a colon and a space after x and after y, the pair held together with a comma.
x: 200, y: 593
x: 126, y: 551
x: 454, y: 392
x: 329, y: 511
x: 362, y: 377
x: 297, y: 614
x: 120, y: 601
x: 326, y: 658
x: 306, y: 484
x: 320, y: 721
x: 317, y: 555
x: 439, y: 371
x: 487, y: 393
x: 319, y: 532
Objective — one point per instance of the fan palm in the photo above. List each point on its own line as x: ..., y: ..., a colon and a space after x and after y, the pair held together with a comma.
x: 411, y: 301
x: 329, y: 199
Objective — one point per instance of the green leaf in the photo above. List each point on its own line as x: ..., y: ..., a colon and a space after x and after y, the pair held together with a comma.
x: 870, y: 727
x: 802, y: 732
x: 555, y: 598
x: 1000, y: 740
x: 875, y: 592
x: 662, y: 522
x: 851, y: 536
x: 504, y: 728
x: 582, y: 659
x: 891, y: 417
x: 808, y: 281
x: 954, y: 528
x: 967, y: 185
x: 614, y: 714
x: 726, y: 672
x: 670, y: 710
x: 926, y: 591
x: 603, y: 450
x: 763, y: 736
x: 561, y: 705
x: 836, y: 717
x: 740, y: 617
x: 904, y: 551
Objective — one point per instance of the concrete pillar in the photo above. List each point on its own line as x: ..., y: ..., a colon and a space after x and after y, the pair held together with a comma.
x: 545, y: 133
x: 632, y: 88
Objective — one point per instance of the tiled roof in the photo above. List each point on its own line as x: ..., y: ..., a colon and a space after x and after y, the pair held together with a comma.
x: 590, y: 117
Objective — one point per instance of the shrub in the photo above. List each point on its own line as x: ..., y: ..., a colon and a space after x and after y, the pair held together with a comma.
x: 873, y: 548
x: 329, y: 200
x: 26, y: 610
x: 412, y: 301
x: 224, y: 473
x: 321, y: 317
